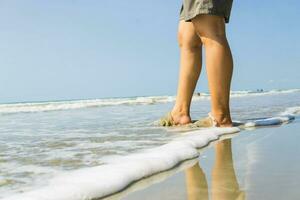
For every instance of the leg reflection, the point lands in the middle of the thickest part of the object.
(196, 183)
(224, 181)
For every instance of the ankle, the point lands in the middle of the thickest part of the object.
(223, 119)
(180, 116)
(180, 111)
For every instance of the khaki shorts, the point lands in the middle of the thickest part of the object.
(191, 8)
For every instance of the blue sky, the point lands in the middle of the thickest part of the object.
(83, 49)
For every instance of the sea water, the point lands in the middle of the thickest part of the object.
(40, 140)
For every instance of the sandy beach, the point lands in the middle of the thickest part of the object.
(256, 164)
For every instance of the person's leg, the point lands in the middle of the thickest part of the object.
(196, 183)
(190, 68)
(224, 184)
(219, 64)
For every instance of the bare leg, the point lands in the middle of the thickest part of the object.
(196, 184)
(224, 181)
(211, 30)
(190, 68)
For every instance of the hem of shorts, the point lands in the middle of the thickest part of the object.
(189, 17)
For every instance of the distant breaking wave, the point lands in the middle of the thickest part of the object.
(77, 104)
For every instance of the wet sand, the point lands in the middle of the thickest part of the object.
(257, 164)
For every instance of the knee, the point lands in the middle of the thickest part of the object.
(188, 40)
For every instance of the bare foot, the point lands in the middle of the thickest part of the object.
(229, 124)
(212, 121)
(180, 118)
(223, 120)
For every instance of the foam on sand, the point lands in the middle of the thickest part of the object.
(101, 181)
(272, 121)
(121, 172)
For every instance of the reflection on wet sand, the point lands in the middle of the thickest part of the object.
(224, 185)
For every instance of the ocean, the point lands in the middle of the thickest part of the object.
(42, 140)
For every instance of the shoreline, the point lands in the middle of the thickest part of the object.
(133, 168)
(257, 159)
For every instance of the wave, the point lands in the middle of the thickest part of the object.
(291, 111)
(77, 104)
(272, 121)
(121, 172)
(102, 181)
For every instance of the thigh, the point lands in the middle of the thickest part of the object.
(209, 25)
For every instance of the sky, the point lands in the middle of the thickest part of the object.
(85, 49)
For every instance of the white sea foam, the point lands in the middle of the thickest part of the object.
(272, 121)
(77, 104)
(258, 93)
(291, 111)
(284, 117)
(122, 171)
(101, 181)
